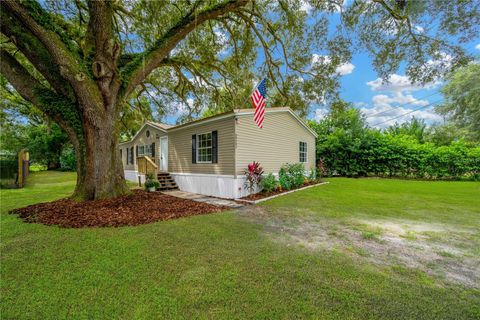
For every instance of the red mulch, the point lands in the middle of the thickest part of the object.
(140, 207)
(261, 195)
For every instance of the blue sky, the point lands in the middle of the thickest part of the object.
(383, 104)
(396, 100)
(383, 101)
(380, 102)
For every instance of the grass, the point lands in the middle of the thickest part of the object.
(225, 266)
(453, 203)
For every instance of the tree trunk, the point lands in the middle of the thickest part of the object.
(99, 166)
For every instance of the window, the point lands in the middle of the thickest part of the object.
(303, 151)
(148, 150)
(130, 155)
(145, 150)
(204, 148)
(147, 133)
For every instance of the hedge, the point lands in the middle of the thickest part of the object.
(378, 154)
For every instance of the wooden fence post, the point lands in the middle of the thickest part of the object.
(23, 170)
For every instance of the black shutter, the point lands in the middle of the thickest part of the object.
(153, 149)
(131, 155)
(300, 151)
(136, 151)
(194, 148)
(214, 146)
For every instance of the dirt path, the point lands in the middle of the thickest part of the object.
(447, 253)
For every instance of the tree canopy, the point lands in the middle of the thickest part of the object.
(462, 95)
(89, 65)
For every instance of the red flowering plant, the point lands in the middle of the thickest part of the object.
(253, 176)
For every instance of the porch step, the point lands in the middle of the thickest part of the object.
(166, 182)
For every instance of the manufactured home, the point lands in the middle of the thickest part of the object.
(209, 156)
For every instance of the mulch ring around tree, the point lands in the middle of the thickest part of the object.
(139, 207)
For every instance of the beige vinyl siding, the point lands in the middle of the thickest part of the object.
(140, 140)
(180, 148)
(275, 144)
(124, 147)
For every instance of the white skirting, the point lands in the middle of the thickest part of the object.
(132, 175)
(222, 186)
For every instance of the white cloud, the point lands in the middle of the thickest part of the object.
(305, 6)
(477, 46)
(397, 100)
(317, 58)
(179, 108)
(221, 38)
(343, 69)
(419, 29)
(382, 120)
(382, 100)
(320, 113)
(360, 104)
(398, 83)
(443, 60)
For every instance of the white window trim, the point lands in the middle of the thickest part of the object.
(300, 151)
(198, 149)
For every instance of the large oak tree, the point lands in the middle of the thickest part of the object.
(86, 64)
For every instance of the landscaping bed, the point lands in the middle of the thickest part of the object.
(263, 195)
(139, 207)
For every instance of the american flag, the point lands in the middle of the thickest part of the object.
(259, 97)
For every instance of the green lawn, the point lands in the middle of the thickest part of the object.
(249, 264)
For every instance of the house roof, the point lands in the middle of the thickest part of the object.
(243, 112)
(166, 127)
(161, 126)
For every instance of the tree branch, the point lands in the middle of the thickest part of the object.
(35, 52)
(19, 77)
(136, 71)
(86, 90)
(26, 85)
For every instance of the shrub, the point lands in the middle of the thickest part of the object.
(284, 179)
(321, 169)
(67, 159)
(313, 175)
(253, 176)
(149, 176)
(379, 154)
(150, 181)
(35, 167)
(269, 183)
(291, 175)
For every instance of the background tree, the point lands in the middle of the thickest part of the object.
(349, 147)
(84, 63)
(415, 127)
(462, 99)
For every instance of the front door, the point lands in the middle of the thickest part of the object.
(164, 154)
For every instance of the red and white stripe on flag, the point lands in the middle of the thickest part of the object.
(259, 100)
